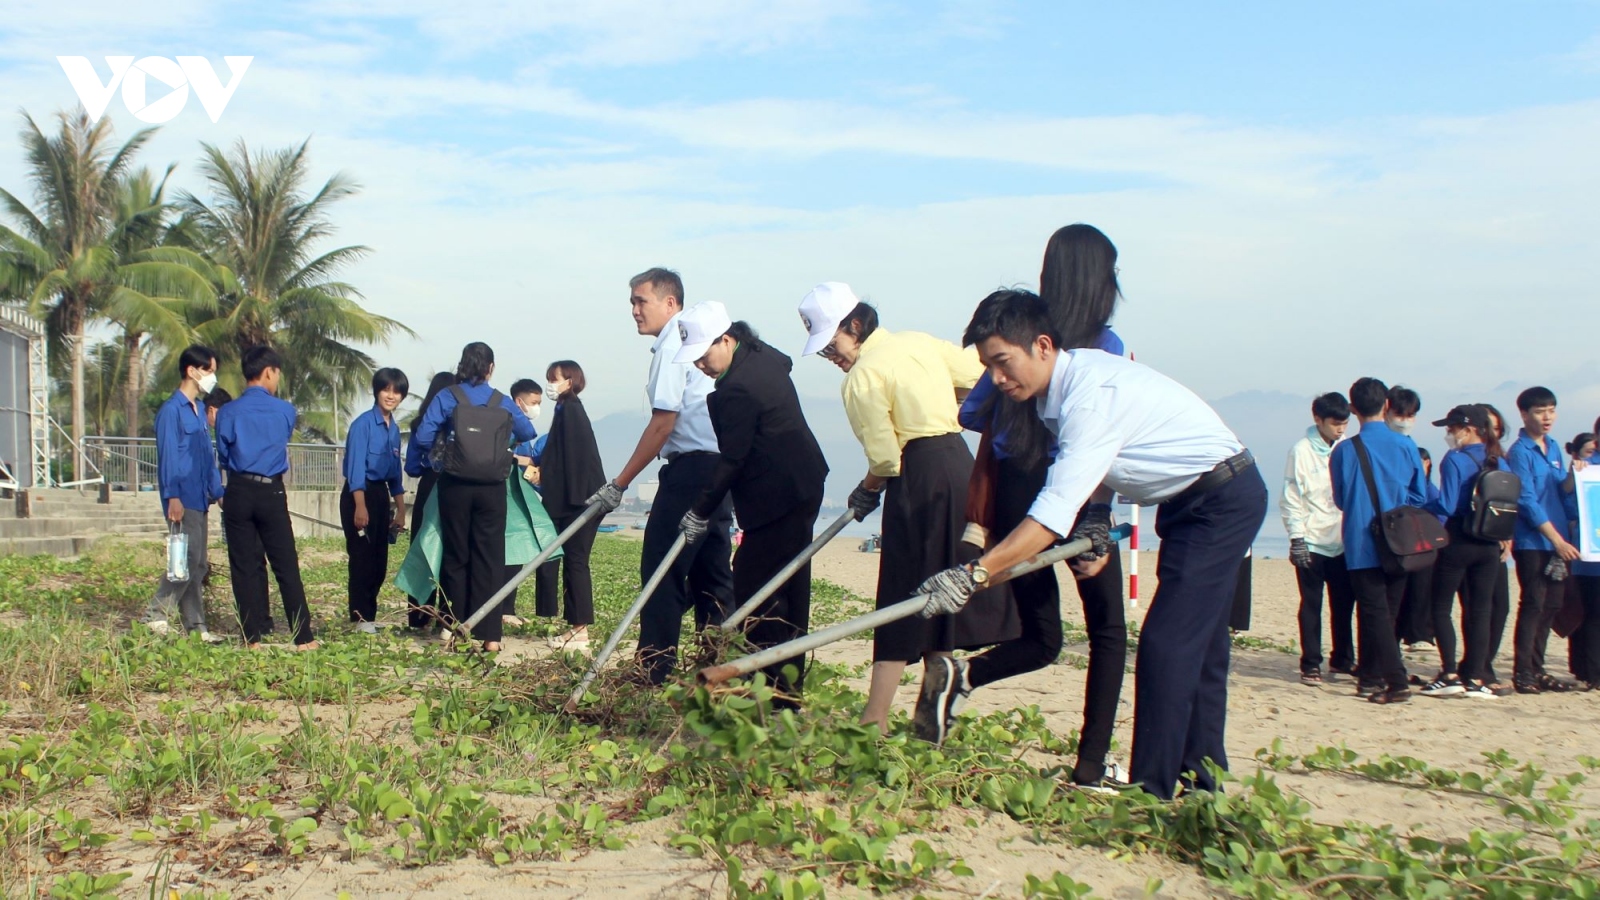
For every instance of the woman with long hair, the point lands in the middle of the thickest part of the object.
(1465, 563)
(901, 393)
(1079, 287)
(1500, 602)
(472, 511)
(422, 610)
(570, 471)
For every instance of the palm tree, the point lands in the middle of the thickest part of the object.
(62, 259)
(180, 277)
(260, 230)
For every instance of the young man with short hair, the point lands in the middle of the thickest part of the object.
(1316, 546)
(528, 396)
(680, 434)
(253, 435)
(186, 473)
(1124, 425)
(1397, 474)
(1541, 547)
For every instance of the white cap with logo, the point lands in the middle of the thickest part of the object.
(823, 310)
(699, 327)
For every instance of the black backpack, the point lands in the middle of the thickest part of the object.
(1492, 515)
(478, 445)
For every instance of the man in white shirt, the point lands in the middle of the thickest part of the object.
(1126, 426)
(1316, 547)
(679, 433)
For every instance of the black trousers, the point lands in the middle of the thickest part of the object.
(1536, 610)
(700, 578)
(1181, 672)
(576, 581)
(1378, 595)
(1414, 616)
(1467, 566)
(472, 520)
(255, 520)
(787, 613)
(1038, 599)
(1586, 640)
(369, 552)
(1329, 572)
(419, 610)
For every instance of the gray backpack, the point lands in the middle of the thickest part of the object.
(478, 445)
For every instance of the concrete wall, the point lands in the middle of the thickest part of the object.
(322, 506)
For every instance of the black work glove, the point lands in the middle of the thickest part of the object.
(1299, 553)
(1094, 523)
(863, 501)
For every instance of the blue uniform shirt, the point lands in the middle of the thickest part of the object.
(186, 462)
(438, 413)
(416, 457)
(1542, 500)
(972, 408)
(253, 433)
(1396, 468)
(372, 452)
(1457, 470)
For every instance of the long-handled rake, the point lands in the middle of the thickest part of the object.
(908, 607)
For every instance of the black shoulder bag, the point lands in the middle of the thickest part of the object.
(1408, 537)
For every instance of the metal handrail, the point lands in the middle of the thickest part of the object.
(132, 461)
(99, 477)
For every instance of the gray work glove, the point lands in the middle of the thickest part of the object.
(1094, 523)
(1299, 553)
(862, 501)
(693, 527)
(947, 591)
(609, 498)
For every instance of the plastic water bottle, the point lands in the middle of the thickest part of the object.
(177, 555)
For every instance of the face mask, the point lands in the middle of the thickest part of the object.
(1452, 439)
(1402, 426)
(207, 382)
(531, 411)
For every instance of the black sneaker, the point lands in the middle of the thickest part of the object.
(1443, 687)
(945, 689)
(1479, 692)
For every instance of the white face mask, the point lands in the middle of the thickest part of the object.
(1452, 439)
(207, 382)
(1402, 426)
(532, 411)
(555, 389)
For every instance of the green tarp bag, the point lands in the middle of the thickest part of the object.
(528, 530)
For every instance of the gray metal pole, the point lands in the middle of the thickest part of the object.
(878, 617)
(633, 611)
(784, 574)
(493, 603)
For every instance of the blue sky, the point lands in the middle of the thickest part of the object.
(1302, 193)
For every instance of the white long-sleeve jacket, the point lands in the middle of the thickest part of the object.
(1308, 508)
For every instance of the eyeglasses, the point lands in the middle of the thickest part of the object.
(831, 351)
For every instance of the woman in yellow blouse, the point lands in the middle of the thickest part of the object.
(901, 393)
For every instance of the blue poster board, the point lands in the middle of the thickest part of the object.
(1588, 485)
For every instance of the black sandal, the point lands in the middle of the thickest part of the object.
(1395, 695)
(1553, 685)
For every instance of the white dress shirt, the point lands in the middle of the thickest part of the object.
(1127, 426)
(680, 388)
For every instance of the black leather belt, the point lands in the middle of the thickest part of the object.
(1220, 474)
(258, 479)
(674, 457)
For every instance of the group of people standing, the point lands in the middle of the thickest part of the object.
(1067, 420)
(1500, 499)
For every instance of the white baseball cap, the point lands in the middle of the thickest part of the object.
(823, 310)
(699, 327)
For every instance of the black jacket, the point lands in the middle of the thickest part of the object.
(570, 469)
(770, 459)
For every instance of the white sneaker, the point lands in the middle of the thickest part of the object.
(159, 626)
(209, 638)
(367, 627)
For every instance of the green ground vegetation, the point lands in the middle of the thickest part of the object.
(399, 752)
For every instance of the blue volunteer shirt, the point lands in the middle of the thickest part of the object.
(372, 452)
(253, 433)
(438, 413)
(416, 457)
(1457, 470)
(1542, 499)
(186, 461)
(972, 409)
(1396, 468)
